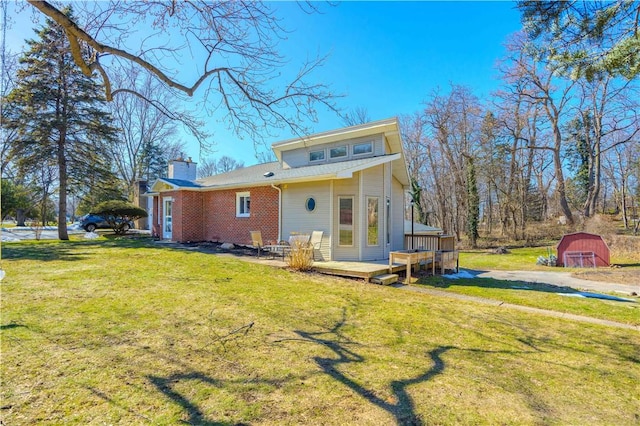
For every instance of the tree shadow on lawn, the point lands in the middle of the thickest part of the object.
(51, 250)
(196, 416)
(44, 252)
(404, 409)
(441, 282)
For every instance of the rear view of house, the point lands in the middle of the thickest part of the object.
(349, 183)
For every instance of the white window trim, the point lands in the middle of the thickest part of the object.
(353, 149)
(353, 225)
(239, 196)
(369, 197)
(324, 152)
(346, 155)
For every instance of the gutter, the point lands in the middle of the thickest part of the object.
(279, 211)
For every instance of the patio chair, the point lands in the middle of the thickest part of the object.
(256, 241)
(297, 239)
(315, 242)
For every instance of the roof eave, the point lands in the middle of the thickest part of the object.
(387, 126)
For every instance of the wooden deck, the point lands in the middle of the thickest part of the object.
(366, 270)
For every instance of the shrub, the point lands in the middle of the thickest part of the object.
(301, 256)
(119, 213)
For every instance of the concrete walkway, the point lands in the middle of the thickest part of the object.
(527, 309)
(562, 279)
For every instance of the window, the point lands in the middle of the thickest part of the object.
(346, 221)
(363, 148)
(372, 221)
(310, 204)
(338, 152)
(316, 156)
(243, 204)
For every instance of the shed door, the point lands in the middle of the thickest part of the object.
(167, 226)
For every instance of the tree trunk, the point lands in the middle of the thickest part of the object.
(557, 163)
(20, 217)
(62, 192)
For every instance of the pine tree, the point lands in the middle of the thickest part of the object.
(59, 117)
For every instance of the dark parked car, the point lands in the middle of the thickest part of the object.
(91, 222)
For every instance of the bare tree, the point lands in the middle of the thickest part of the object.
(454, 122)
(539, 83)
(619, 165)
(232, 45)
(414, 143)
(142, 150)
(211, 166)
(358, 115)
(608, 112)
(7, 84)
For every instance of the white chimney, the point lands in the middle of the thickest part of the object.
(182, 169)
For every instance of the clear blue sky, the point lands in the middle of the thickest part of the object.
(386, 57)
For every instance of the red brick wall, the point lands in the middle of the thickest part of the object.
(221, 223)
(190, 215)
(211, 216)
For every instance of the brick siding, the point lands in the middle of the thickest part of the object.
(211, 216)
(221, 223)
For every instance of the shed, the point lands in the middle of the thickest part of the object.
(582, 250)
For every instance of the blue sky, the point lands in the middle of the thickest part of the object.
(386, 57)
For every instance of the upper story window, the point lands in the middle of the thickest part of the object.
(363, 148)
(243, 204)
(316, 155)
(337, 152)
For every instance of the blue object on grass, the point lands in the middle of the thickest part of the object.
(597, 296)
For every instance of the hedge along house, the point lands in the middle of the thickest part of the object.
(349, 183)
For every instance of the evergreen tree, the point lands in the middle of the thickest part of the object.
(58, 114)
(473, 204)
(579, 157)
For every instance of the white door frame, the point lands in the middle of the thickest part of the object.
(167, 218)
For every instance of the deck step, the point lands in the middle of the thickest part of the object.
(385, 279)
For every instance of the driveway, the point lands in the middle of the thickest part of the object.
(563, 279)
(18, 233)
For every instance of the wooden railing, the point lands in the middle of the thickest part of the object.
(421, 242)
(430, 242)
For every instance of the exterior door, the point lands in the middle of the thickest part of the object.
(167, 225)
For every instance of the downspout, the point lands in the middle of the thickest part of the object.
(279, 211)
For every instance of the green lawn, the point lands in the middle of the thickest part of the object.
(540, 296)
(523, 259)
(121, 331)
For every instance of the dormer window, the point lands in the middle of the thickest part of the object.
(363, 148)
(338, 152)
(316, 156)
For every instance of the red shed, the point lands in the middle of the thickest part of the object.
(582, 249)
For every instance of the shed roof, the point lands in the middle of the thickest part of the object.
(273, 174)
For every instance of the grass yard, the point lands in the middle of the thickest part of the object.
(542, 296)
(122, 331)
(524, 259)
